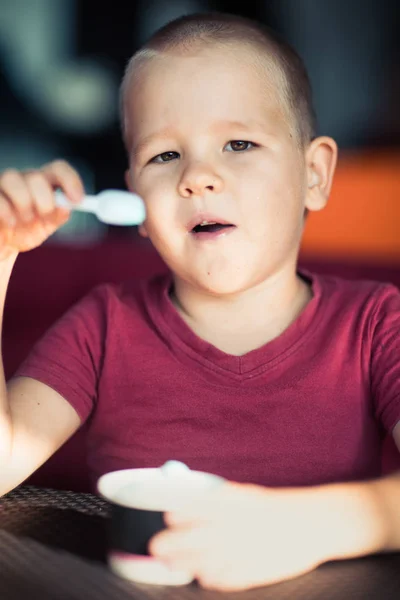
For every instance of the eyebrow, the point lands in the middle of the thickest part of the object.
(238, 124)
(169, 132)
(146, 141)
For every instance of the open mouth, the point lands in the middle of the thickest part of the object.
(210, 227)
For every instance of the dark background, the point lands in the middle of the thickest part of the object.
(61, 62)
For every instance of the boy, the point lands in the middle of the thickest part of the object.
(235, 363)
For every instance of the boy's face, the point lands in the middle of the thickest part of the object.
(210, 141)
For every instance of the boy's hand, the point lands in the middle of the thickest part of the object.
(240, 536)
(28, 213)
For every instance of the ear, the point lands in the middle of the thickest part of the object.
(129, 184)
(321, 159)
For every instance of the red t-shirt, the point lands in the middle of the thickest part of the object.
(309, 407)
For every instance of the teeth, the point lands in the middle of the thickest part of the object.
(208, 223)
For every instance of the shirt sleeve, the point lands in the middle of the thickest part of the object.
(385, 359)
(69, 357)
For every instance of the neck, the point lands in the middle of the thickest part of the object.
(241, 322)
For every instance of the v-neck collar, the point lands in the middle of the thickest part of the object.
(182, 339)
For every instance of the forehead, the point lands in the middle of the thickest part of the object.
(191, 90)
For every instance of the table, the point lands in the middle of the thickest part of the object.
(53, 545)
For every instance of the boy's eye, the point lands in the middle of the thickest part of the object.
(165, 157)
(239, 145)
(232, 146)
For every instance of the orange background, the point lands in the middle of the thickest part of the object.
(362, 218)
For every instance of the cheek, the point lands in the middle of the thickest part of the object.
(272, 202)
(154, 182)
(155, 196)
(161, 213)
(261, 195)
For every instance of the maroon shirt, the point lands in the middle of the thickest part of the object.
(309, 407)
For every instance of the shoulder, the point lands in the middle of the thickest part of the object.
(356, 293)
(109, 297)
(357, 308)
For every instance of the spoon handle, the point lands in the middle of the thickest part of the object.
(89, 203)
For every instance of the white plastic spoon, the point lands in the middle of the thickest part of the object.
(114, 207)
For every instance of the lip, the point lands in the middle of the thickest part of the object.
(211, 218)
(211, 236)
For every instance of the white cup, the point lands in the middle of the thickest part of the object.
(138, 498)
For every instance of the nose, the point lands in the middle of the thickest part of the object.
(199, 178)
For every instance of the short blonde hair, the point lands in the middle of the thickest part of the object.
(187, 31)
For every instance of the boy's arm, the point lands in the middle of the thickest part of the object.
(364, 518)
(41, 420)
(356, 519)
(34, 419)
(283, 532)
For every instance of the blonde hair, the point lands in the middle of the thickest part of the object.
(188, 31)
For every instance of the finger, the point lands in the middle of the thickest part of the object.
(7, 214)
(61, 174)
(172, 543)
(202, 508)
(54, 220)
(14, 188)
(193, 515)
(41, 193)
(223, 582)
(190, 562)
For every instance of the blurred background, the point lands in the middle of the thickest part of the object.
(61, 62)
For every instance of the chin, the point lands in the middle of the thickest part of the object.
(222, 284)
